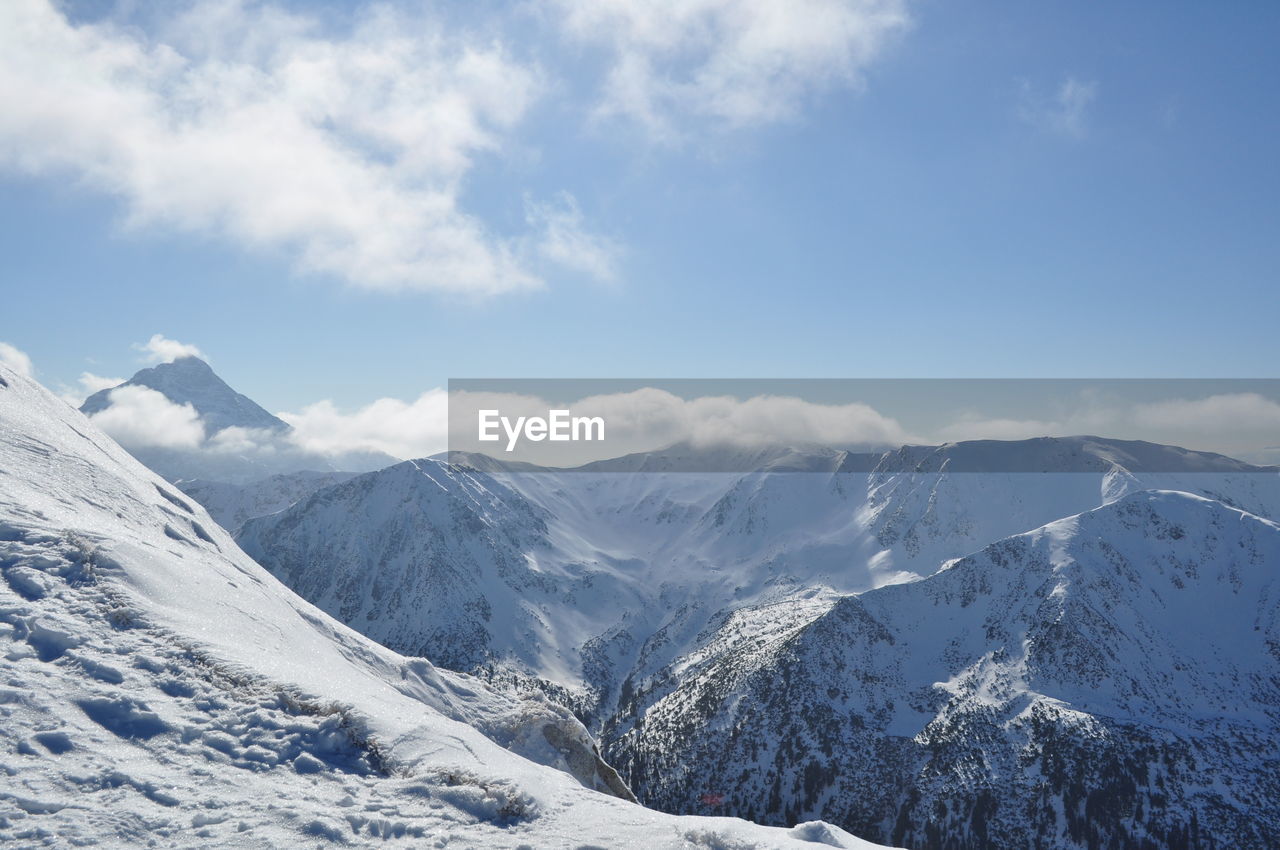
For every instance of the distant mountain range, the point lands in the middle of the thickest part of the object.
(1055, 642)
(972, 645)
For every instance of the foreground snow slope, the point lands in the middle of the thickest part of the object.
(156, 684)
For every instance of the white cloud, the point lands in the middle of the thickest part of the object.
(15, 359)
(92, 383)
(88, 384)
(1229, 420)
(401, 429)
(1066, 113)
(1236, 410)
(161, 349)
(734, 63)
(142, 417)
(562, 239)
(347, 152)
(246, 441)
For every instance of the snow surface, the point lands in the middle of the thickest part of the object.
(159, 686)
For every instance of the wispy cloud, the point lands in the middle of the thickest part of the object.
(344, 143)
(15, 359)
(1065, 113)
(560, 237)
(161, 349)
(727, 63)
(345, 151)
(86, 385)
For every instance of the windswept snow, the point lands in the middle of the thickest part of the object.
(159, 686)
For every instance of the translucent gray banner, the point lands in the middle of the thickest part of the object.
(861, 425)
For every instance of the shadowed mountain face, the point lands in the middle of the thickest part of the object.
(789, 643)
(189, 380)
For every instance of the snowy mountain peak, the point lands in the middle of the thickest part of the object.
(190, 380)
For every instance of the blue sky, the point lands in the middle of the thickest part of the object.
(992, 190)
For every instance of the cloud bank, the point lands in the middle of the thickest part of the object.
(1222, 422)
(398, 428)
(648, 419)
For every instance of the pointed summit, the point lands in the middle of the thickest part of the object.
(190, 380)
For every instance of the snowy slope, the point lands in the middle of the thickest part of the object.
(159, 685)
(231, 504)
(1111, 679)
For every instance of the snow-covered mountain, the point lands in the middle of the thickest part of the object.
(242, 443)
(622, 587)
(190, 380)
(1109, 680)
(551, 571)
(159, 687)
